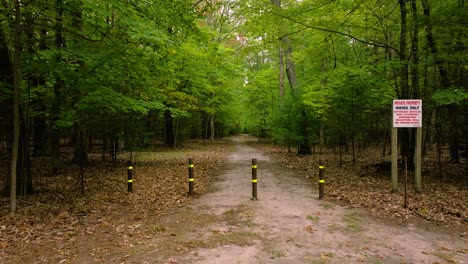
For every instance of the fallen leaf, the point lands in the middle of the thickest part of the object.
(309, 229)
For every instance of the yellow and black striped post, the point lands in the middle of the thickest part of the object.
(321, 180)
(254, 179)
(190, 176)
(130, 176)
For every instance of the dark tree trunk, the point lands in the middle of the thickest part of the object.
(403, 60)
(414, 77)
(453, 135)
(80, 146)
(204, 128)
(444, 79)
(18, 48)
(54, 133)
(39, 137)
(104, 147)
(304, 146)
(465, 133)
(429, 123)
(407, 145)
(6, 106)
(169, 139)
(38, 123)
(439, 137)
(114, 146)
(23, 179)
(54, 150)
(212, 128)
(415, 51)
(304, 150)
(79, 131)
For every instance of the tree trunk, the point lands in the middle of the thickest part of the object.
(6, 107)
(104, 147)
(207, 128)
(290, 65)
(341, 155)
(414, 94)
(39, 136)
(79, 131)
(465, 133)
(54, 150)
(176, 131)
(444, 79)
(80, 146)
(406, 144)
(415, 51)
(432, 44)
(322, 137)
(384, 143)
(37, 126)
(439, 135)
(114, 146)
(16, 102)
(281, 72)
(403, 60)
(54, 142)
(353, 148)
(169, 129)
(212, 128)
(23, 173)
(23, 168)
(304, 146)
(430, 120)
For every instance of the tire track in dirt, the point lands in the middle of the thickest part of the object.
(288, 224)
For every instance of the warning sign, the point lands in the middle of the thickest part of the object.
(407, 113)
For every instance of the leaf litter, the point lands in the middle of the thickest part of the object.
(366, 184)
(60, 216)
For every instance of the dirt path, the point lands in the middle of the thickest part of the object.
(288, 224)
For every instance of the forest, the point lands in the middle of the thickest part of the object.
(88, 88)
(80, 77)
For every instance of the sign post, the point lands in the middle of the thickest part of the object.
(394, 159)
(407, 113)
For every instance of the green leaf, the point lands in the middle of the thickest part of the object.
(450, 97)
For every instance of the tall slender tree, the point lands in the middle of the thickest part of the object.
(286, 53)
(16, 101)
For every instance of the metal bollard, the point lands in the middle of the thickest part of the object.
(321, 180)
(129, 176)
(190, 177)
(254, 179)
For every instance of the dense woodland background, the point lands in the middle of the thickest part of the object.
(81, 76)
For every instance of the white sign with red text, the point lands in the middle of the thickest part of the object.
(407, 113)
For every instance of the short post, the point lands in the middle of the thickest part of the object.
(190, 177)
(129, 176)
(321, 180)
(254, 180)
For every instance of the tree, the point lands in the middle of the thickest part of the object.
(383, 37)
(94, 70)
(16, 103)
